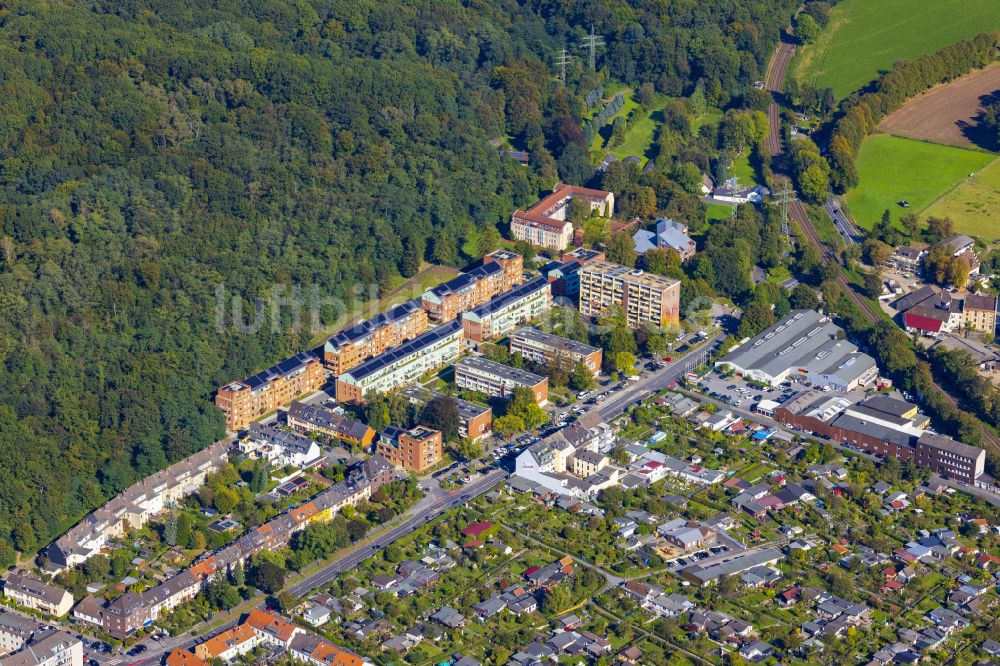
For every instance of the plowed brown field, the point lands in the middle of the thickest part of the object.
(946, 113)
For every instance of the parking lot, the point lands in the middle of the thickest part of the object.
(739, 393)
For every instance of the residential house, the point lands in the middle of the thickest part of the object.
(36, 595)
(314, 419)
(669, 235)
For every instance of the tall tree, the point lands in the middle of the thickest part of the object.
(621, 249)
(441, 413)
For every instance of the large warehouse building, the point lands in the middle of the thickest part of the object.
(803, 344)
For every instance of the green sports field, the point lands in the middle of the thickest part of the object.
(865, 37)
(892, 169)
(974, 204)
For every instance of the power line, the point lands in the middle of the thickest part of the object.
(591, 42)
(561, 62)
(784, 197)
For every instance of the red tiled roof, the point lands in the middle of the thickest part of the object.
(475, 529)
(181, 657)
(923, 323)
(271, 624)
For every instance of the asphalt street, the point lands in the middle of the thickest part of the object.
(433, 505)
(847, 230)
(657, 381)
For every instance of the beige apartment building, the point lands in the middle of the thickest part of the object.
(979, 313)
(644, 297)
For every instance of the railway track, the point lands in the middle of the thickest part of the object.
(773, 79)
(797, 211)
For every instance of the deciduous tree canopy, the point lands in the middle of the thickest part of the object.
(156, 157)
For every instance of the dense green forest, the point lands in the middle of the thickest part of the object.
(153, 151)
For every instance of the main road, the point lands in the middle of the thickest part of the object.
(435, 505)
(352, 559)
(637, 390)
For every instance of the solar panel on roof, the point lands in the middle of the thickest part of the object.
(514, 294)
(363, 328)
(391, 356)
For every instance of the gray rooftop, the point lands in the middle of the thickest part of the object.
(483, 365)
(803, 339)
(555, 342)
(950, 445)
(885, 433)
(736, 565)
(466, 408)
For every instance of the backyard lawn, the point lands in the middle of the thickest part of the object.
(974, 205)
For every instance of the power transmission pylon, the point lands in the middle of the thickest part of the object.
(561, 62)
(591, 42)
(783, 198)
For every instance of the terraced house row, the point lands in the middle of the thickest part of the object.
(133, 610)
(134, 507)
(262, 628)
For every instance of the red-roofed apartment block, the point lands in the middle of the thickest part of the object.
(545, 223)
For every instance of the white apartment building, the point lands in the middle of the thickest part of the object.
(402, 365)
(542, 347)
(503, 314)
(47, 647)
(478, 373)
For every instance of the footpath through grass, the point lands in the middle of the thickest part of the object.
(893, 169)
(865, 37)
